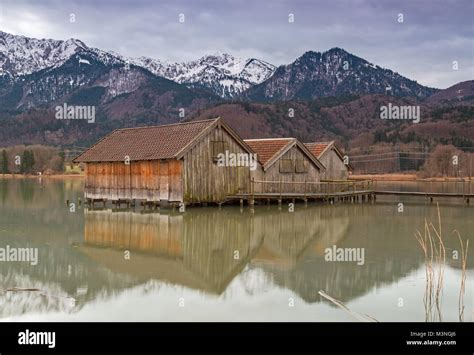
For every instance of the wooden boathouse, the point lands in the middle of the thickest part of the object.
(283, 161)
(332, 158)
(174, 163)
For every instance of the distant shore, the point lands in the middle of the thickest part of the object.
(50, 176)
(403, 177)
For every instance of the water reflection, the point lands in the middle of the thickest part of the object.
(203, 250)
(94, 256)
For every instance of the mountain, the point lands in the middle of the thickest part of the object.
(333, 73)
(21, 55)
(460, 94)
(222, 74)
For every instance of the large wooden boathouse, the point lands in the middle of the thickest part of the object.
(170, 163)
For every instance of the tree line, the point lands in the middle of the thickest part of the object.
(31, 159)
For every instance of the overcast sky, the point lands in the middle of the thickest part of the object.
(433, 34)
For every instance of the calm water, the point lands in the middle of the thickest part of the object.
(224, 265)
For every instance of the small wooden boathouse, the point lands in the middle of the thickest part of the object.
(284, 160)
(332, 158)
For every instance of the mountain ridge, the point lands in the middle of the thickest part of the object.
(313, 74)
(332, 73)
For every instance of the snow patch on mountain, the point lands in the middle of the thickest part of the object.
(222, 73)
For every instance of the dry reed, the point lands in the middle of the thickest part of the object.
(434, 250)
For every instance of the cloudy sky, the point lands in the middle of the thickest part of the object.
(433, 34)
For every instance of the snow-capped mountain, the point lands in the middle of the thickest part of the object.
(21, 55)
(222, 73)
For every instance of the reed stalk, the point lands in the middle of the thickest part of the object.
(434, 251)
(463, 275)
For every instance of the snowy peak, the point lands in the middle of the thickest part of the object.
(221, 73)
(21, 55)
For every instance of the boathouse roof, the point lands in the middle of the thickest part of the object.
(269, 150)
(320, 148)
(151, 142)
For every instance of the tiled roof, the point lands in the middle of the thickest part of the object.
(266, 149)
(317, 148)
(145, 143)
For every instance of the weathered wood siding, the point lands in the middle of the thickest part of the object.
(204, 180)
(143, 180)
(274, 174)
(335, 167)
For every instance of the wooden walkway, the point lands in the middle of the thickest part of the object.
(347, 196)
(332, 191)
(421, 193)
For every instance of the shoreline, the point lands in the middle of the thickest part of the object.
(405, 177)
(52, 176)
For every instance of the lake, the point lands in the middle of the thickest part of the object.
(228, 264)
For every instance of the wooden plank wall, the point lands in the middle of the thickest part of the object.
(138, 180)
(204, 180)
(273, 174)
(335, 167)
